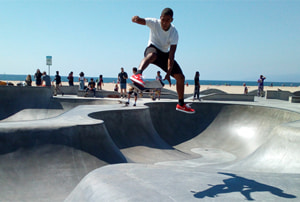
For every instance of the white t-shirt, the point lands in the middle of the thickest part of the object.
(160, 38)
(81, 78)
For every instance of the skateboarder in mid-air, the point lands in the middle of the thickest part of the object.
(161, 52)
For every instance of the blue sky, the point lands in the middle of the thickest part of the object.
(223, 40)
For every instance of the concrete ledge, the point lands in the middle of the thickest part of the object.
(280, 95)
(83, 133)
(101, 94)
(165, 95)
(113, 94)
(16, 98)
(294, 99)
(68, 90)
(229, 97)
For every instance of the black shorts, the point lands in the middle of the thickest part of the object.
(131, 90)
(162, 60)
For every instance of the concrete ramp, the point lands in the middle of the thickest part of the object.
(238, 129)
(43, 173)
(15, 99)
(140, 182)
(228, 139)
(279, 154)
(96, 150)
(35, 103)
(133, 133)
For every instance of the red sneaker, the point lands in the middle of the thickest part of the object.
(185, 108)
(138, 80)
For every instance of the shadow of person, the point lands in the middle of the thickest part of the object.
(240, 184)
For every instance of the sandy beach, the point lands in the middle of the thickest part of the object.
(190, 88)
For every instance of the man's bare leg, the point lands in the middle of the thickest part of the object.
(123, 92)
(151, 57)
(180, 79)
(181, 106)
(137, 78)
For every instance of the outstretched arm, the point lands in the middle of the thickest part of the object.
(138, 20)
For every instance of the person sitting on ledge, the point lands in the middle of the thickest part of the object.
(91, 87)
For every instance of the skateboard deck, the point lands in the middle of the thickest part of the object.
(124, 102)
(149, 85)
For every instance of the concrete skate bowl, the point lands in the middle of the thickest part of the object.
(161, 133)
(44, 159)
(223, 136)
(43, 154)
(34, 103)
(250, 133)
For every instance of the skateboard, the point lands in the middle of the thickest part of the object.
(150, 86)
(124, 102)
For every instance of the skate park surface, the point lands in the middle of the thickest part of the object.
(67, 148)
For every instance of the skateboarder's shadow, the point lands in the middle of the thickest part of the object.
(239, 184)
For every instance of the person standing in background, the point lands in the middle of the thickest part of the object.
(158, 90)
(132, 91)
(81, 81)
(100, 83)
(71, 79)
(38, 77)
(46, 80)
(122, 79)
(57, 80)
(245, 89)
(197, 86)
(260, 81)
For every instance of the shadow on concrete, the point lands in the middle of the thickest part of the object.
(240, 184)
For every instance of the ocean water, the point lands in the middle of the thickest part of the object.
(21, 78)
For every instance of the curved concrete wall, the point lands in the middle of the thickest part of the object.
(231, 138)
(16, 98)
(238, 129)
(156, 133)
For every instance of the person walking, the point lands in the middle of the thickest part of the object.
(132, 90)
(57, 80)
(158, 90)
(100, 82)
(260, 81)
